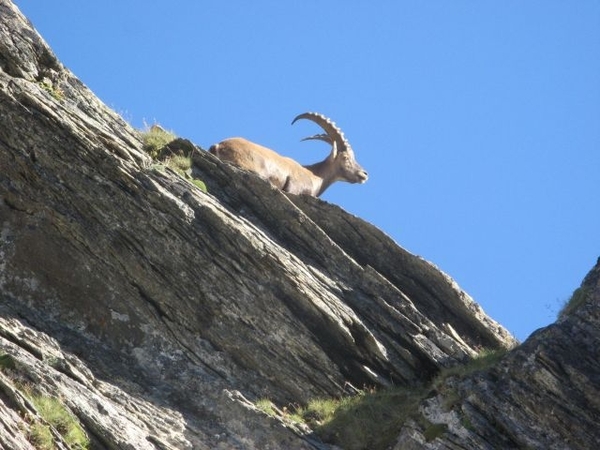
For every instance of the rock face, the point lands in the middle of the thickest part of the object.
(159, 313)
(545, 394)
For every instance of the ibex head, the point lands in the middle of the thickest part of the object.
(341, 163)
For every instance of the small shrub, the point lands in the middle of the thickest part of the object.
(465, 422)
(372, 419)
(486, 358)
(322, 410)
(318, 411)
(155, 138)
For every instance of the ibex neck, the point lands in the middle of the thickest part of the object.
(323, 180)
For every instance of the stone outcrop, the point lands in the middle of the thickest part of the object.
(159, 313)
(545, 394)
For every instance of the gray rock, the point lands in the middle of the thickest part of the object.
(544, 394)
(159, 314)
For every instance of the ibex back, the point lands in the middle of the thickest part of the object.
(287, 174)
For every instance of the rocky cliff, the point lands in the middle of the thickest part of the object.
(157, 314)
(544, 394)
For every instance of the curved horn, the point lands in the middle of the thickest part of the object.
(319, 137)
(334, 134)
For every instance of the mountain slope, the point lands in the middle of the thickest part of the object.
(544, 394)
(159, 313)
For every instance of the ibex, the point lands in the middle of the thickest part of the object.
(288, 175)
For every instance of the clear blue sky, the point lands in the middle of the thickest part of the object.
(478, 121)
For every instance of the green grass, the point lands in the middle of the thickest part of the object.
(183, 165)
(370, 420)
(179, 163)
(155, 138)
(373, 419)
(266, 406)
(199, 184)
(55, 92)
(318, 412)
(41, 437)
(56, 414)
(434, 430)
(51, 409)
(486, 358)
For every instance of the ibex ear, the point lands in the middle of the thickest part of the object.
(334, 150)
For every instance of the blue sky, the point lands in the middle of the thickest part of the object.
(478, 121)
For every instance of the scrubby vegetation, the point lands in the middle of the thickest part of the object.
(7, 362)
(41, 437)
(54, 91)
(52, 413)
(486, 358)
(577, 299)
(369, 420)
(372, 419)
(58, 416)
(266, 406)
(161, 145)
(155, 138)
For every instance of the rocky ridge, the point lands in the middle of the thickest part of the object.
(544, 394)
(159, 313)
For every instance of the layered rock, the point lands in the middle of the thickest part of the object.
(544, 394)
(159, 313)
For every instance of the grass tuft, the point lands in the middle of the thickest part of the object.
(199, 184)
(180, 163)
(56, 414)
(577, 299)
(155, 138)
(54, 91)
(265, 405)
(41, 437)
(486, 358)
(434, 431)
(369, 420)
(373, 419)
